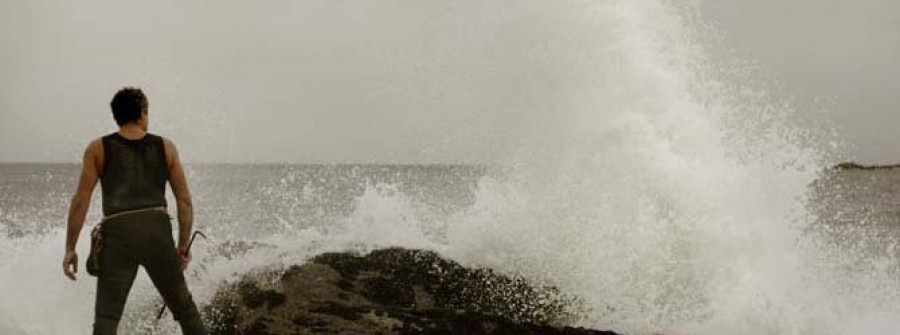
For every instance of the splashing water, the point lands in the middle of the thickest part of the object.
(675, 202)
(666, 196)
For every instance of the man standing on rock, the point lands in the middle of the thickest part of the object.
(133, 167)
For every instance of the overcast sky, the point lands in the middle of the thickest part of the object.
(834, 54)
(383, 81)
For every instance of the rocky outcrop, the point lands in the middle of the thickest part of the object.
(388, 291)
(857, 166)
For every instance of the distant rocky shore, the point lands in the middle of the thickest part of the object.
(857, 166)
(389, 291)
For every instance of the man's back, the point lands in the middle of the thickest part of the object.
(134, 174)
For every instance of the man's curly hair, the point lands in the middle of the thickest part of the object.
(127, 105)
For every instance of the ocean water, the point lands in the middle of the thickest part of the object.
(657, 180)
(293, 208)
(296, 211)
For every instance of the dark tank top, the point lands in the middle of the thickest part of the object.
(134, 173)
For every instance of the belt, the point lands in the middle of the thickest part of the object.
(159, 208)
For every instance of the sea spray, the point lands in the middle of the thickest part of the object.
(673, 202)
(639, 201)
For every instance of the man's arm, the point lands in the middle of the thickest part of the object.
(81, 201)
(183, 197)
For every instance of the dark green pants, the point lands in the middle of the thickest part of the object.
(145, 239)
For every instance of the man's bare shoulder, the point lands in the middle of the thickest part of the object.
(95, 147)
(168, 142)
(93, 156)
(169, 146)
(170, 151)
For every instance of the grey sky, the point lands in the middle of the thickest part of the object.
(382, 81)
(843, 54)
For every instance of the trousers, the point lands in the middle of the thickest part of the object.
(141, 239)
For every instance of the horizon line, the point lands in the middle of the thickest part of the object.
(273, 163)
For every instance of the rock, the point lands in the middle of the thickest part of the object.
(388, 291)
(857, 166)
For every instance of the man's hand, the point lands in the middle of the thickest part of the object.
(70, 264)
(184, 257)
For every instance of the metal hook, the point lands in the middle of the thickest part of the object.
(190, 243)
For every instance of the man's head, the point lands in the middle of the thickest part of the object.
(130, 105)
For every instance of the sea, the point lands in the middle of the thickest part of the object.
(632, 275)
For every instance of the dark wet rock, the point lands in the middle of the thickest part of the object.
(389, 291)
(857, 166)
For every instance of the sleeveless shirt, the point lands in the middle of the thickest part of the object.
(134, 173)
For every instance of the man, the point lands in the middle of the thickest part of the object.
(133, 167)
